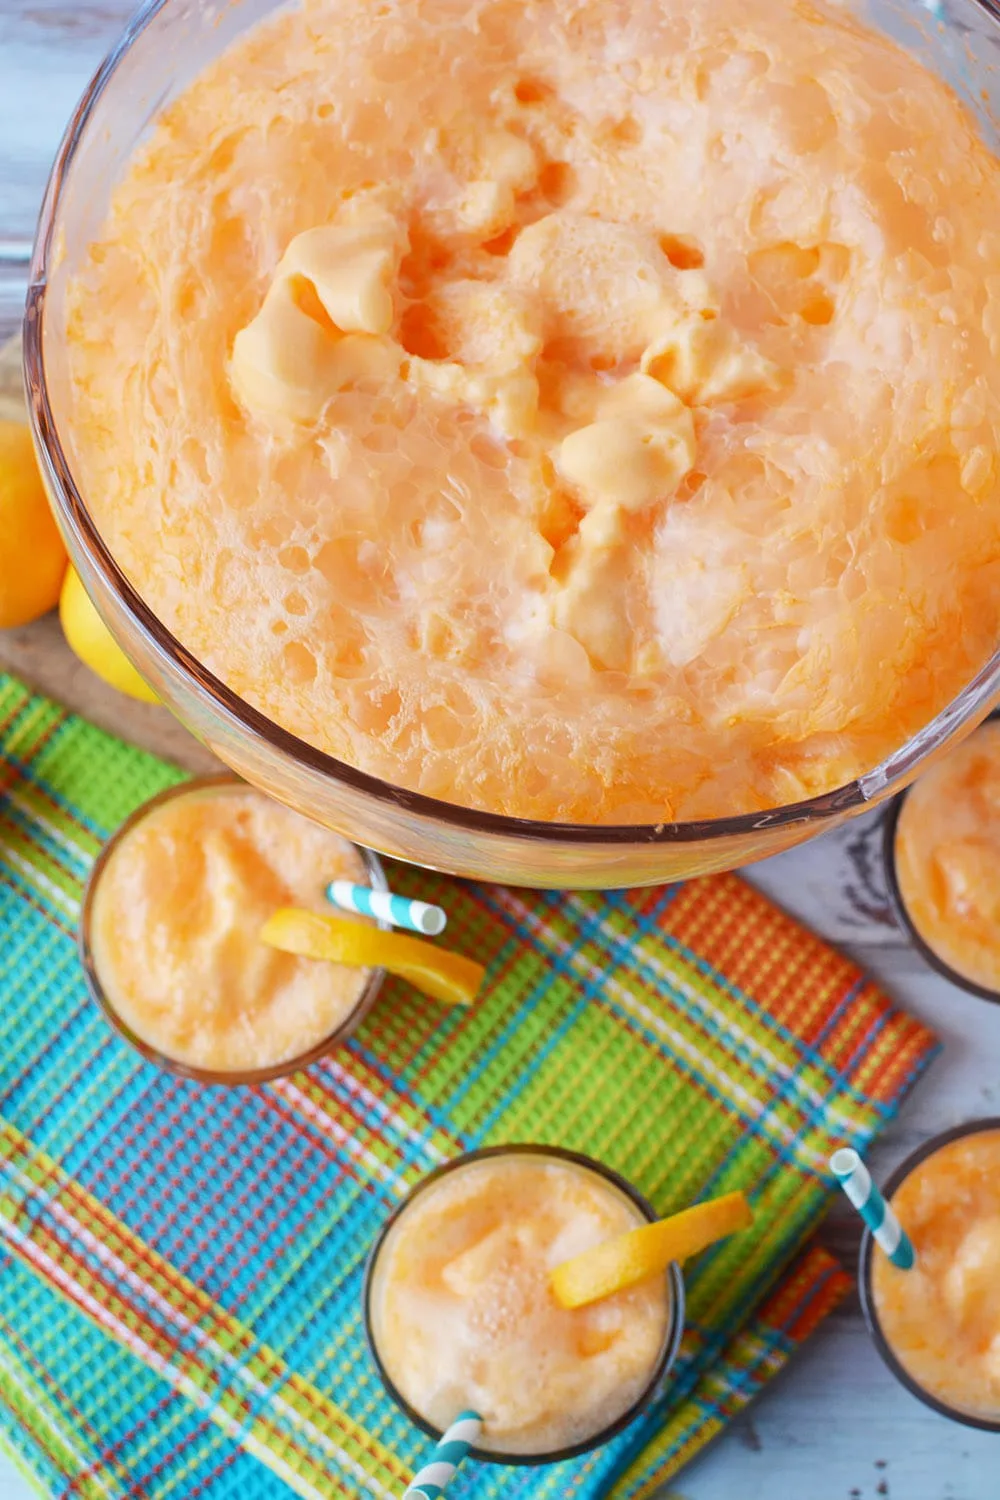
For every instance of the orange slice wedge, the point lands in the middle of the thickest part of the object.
(631, 1257)
(434, 970)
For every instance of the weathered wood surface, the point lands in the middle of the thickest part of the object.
(836, 1427)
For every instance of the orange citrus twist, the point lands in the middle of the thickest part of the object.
(631, 1257)
(435, 971)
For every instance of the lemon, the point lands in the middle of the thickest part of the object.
(93, 642)
(445, 976)
(32, 556)
(620, 1262)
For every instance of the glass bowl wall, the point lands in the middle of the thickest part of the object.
(164, 46)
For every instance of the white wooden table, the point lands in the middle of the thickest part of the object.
(836, 1426)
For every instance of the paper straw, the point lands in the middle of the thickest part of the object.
(430, 1481)
(855, 1178)
(417, 916)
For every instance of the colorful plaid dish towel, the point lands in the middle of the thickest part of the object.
(181, 1267)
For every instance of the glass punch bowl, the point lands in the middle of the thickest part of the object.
(165, 44)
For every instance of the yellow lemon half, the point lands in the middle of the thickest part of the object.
(93, 642)
(32, 556)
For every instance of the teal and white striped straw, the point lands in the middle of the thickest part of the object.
(856, 1180)
(430, 1481)
(417, 916)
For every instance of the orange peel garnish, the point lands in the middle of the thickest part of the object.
(631, 1257)
(436, 971)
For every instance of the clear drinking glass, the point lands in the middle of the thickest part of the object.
(902, 914)
(671, 1340)
(164, 45)
(98, 993)
(868, 1304)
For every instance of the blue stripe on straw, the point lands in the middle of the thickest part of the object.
(430, 1481)
(399, 911)
(855, 1179)
(415, 916)
(361, 898)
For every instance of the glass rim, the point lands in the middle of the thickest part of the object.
(900, 910)
(671, 1338)
(231, 1077)
(177, 662)
(865, 1256)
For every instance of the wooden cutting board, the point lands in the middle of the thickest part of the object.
(38, 654)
